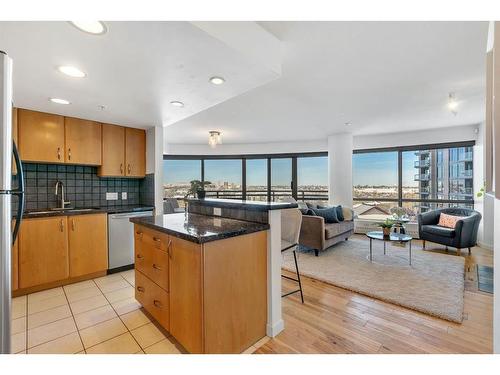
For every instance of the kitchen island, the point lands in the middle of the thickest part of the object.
(204, 279)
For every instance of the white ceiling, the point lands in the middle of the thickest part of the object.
(380, 76)
(134, 70)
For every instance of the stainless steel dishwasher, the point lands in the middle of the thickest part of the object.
(121, 239)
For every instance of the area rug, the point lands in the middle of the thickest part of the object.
(433, 284)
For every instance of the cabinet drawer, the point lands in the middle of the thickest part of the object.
(151, 238)
(152, 262)
(153, 298)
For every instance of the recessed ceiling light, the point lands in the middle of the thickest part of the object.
(91, 27)
(347, 124)
(176, 103)
(217, 80)
(71, 71)
(59, 101)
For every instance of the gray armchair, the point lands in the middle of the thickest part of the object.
(464, 235)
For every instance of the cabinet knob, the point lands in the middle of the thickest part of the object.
(121, 168)
(140, 289)
(139, 256)
(157, 303)
(73, 225)
(129, 169)
(61, 225)
(59, 153)
(69, 153)
(156, 267)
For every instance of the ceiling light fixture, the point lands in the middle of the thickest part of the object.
(71, 71)
(214, 138)
(347, 124)
(176, 103)
(59, 101)
(91, 27)
(452, 103)
(217, 80)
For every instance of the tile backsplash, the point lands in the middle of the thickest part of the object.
(82, 187)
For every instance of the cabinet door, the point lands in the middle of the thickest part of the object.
(113, 151)
(83, 141)
(41, 136)
(186, 294)
(88, 244)
(14, 137)
(135, 152)
(43, 251)
(15, 264)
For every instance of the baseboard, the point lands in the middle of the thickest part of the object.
(273, 330)
(485, 245)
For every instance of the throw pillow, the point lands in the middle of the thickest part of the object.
(329, 214)
(448, 221)
(340, 213)
(311, 205)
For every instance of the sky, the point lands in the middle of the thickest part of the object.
(381, 168)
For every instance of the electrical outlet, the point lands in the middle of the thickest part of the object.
(111, 196)
(217, 211)
(124, 196)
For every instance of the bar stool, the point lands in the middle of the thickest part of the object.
(291, 220)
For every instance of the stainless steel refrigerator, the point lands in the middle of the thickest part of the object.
(9, 188)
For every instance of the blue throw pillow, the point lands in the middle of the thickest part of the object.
(329, 214)
(340, 214)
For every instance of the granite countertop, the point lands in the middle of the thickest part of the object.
(244, 204)
(85, 211)
(199, 228)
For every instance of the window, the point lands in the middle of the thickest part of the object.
(177, 175)
(312, 178)
(224, 176)
(375, 175)
(427, 178)
(254, 177)
(256, 170)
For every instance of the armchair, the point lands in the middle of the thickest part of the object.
(464, 235)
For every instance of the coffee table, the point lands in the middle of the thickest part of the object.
(396, 237)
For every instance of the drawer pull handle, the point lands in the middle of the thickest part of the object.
(129, 169)
(157, 303)
(59, 153)
(73, 225)
(169, 245)
(139, 234)
(156, 239)
(139, 256)
(140, 289)
(69, 153)
(121, 168)
(156, 267)
(61, 225)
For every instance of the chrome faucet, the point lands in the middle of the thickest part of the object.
(63, 202)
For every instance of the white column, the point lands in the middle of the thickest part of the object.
(340, 169)
(154, 162)
(275, 323)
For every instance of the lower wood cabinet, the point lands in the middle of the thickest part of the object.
(216, 297)
(43, 251)
(56, 250)
(88, 244)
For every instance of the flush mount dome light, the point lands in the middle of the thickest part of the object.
(177, 103)
(452, 103)
(71, 71)
(217, 80)
(59, 101)
(91, 27)
(214, 138)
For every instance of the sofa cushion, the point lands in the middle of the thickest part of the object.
(329, 214)
(439, 231)
(336, 229)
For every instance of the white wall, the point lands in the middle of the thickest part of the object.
(154, 163)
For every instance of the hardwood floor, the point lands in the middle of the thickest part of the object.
(335, 320)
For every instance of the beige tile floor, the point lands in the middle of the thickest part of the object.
(94, 316)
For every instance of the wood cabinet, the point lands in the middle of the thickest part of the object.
(135, 152)
(216, 296)
(59, 250)
(43, 251)
(15, 264)
(83, 141)
(88, 244)
(41, 136)
(113, 151)
(14, 137)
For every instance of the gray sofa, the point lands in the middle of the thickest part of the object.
(318, 235)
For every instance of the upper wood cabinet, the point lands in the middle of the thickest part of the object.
(88, 244)
(83, 141)
(113, 151)
(135, 152)
(43, 251)
(41, 136)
